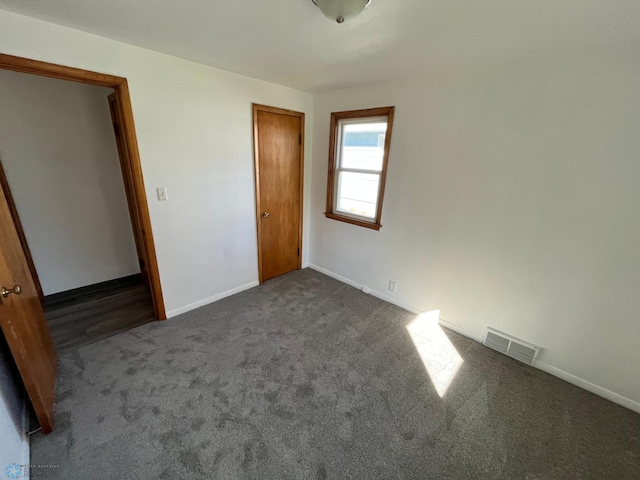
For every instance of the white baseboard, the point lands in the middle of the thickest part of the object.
(396, 302)
(462, 331)
(340, 278)
(375, 293)
(556, 372)
(590, 387)
(208, 300)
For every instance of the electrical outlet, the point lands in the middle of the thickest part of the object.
(393, 286)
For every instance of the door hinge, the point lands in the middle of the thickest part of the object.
(298, 252)
(300, 139)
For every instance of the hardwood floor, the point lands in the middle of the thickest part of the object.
(85, 315)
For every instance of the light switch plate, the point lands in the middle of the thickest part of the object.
(162, 193)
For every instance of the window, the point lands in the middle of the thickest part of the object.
(358, 156)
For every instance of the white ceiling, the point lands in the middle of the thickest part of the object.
(290, 42)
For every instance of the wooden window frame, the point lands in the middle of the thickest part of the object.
(336, 118)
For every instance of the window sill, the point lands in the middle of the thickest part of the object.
(353, 221)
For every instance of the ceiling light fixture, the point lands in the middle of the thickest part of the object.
(341, 10)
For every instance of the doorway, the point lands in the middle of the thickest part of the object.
(21, 303)
(63, 173)
(279, 171)
(122, 117)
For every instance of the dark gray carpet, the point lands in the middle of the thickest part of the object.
(307, 378)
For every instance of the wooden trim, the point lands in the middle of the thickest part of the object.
(4, 183)
(129, 188)
(131, 141)
(45, 69)
(353, 221)
(364, 113)
(331, 184)
(256, 156)
(385, 164)
(121, 87)
(333, 157)
(301, 189)
(256, 160)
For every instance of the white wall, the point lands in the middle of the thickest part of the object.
(59, 154)
(195, 137)
(512, 195)
(512, 201)
(14, 442)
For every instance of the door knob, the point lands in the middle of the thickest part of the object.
(17, 289)
(265, 214)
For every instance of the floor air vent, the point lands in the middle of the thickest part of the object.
(511, 346)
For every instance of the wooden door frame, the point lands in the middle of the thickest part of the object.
(256, 155)
(129, 188)
(121, 87)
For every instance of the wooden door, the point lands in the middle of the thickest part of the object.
(129, 186)
(278, 140)
(4, 184)
(23, 323)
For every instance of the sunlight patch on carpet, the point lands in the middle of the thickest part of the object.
(440, 357)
